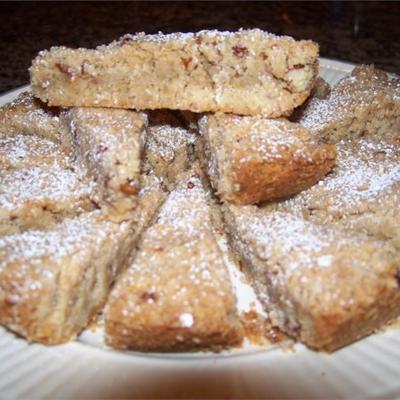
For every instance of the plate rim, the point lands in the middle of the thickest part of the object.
(264, 357)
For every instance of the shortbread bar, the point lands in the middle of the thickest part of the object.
(177, 294)
(54, 282)
(365, 103)
(248, 72)
(29, 116)
(169, 148)
(110, 143)
(362, 192)
(324, 286)
(250, 159)
(39, 184)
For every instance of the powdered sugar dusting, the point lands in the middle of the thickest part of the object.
(366, 172)
(28, 115)
(279, 233)
(178, 36)
(166, 140)
(19, 150)
(36, 247)
(36, 172)
(180, 269)
(351, 100)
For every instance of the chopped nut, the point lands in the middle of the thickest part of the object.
(125, 39)
(149, 297)
(101, 148)
(67, 70)
(129, 188)
(186, 61)
(163, 186)
(239, 51)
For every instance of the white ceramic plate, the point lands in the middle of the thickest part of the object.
(369, 368)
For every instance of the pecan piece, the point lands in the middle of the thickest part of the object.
(186, 61)
(149, 297)
(67, 70)
(125, 39)
(101, 148)
(163, 186)
(239, 51)
(129, 188)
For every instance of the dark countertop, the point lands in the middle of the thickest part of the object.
(359, 32)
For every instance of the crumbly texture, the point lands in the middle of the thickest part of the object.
(110, 143)
(321, 90)
(365, 103)
(248, 72)
(323, 285)
(169, 148)
(29, 116)
(54, 282)
(362, 192)
(250, 159)
(39, 184)
(177, 294)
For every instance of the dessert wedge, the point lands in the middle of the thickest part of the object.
(362, 192)
(250, 159)
(39, 184)
(54, 282)
(110, 143)
(169, 148)
(248, 72)
(324, 286)
(363, 104)
(29, 116)
(176, 295)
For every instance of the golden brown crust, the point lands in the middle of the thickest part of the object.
(361, 192)
(110, 143)
(251, 160)
(247, 72)
(323, 285)
(53, 282)
(176, 295)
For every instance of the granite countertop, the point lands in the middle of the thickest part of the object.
(359, 32)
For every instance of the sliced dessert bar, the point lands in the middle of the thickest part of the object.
(247, 72)
(176, 295)
(110, 143)
(39, 184)
(323, 285)
(169, 148)
(362, 192)
(250, 160)
(365, 103)
(29, 116)
(54, 282)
